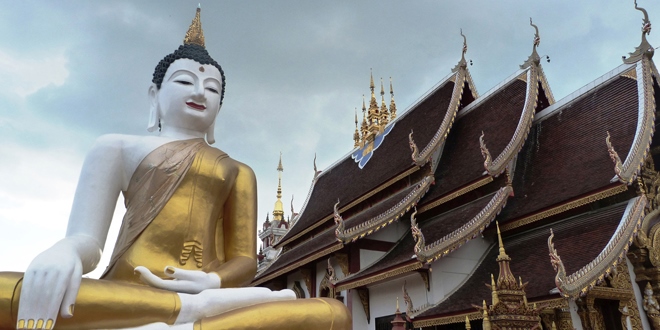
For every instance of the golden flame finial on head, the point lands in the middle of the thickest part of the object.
(195, 35)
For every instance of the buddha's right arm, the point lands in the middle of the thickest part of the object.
(52, 280)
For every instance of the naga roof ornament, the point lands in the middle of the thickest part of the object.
(534, 58)
(644, 48)
(195, 34)
(580, 282)
(462, 63)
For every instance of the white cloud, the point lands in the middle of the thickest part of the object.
(26, 75)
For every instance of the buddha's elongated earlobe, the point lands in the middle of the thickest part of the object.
(154, 120)
(210, 135)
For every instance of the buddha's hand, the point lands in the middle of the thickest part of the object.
(184, 281)
(50, 284)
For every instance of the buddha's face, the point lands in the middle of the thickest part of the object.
(189, 97)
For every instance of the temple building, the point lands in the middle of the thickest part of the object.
(273, 230)
(501, 210)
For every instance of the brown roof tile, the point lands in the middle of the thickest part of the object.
(578, 240)
(566, 156)
(347, 181)
(461, 161)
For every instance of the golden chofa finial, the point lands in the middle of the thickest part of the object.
(462, 63)
(392, 103)
(356, 135)
(499, 240)
(644, 48)
(195, 34)
(534, 58)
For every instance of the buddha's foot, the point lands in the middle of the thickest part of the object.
(208, 303)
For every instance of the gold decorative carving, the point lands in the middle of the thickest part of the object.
(498, 165)
(470, 230)
(342, 260)
(384, 219)
(462, 64)
(195, 34)
(481, 182)
(621, 280)
(327, 286)
(632, 74)
(363, 293)
(580, 282)
(565, 207)
(651, 307)
(447, 320)
(307, 277)
(407, 300)
(380, 276)
(425, 278)
(333, 248)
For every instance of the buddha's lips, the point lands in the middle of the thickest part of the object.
(196, 106)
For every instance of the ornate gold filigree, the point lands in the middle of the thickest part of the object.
(382, 220)
(407, 300)
(470, 230)
(195, 34)
(363, 294)
(307, 277)
(580, 282)
(618, 166)
(407, 268)
(462, 191)
(327, 286)
(632, 74)
(565, 207)
(342, 260)
(447, 320)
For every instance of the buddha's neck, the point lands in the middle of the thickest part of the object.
(179, 133)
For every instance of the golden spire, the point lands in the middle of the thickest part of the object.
(505, 280)
(373, 118)
(383, 107)
(195, 34)
(467, 323)
(278, 210)
(392, 103)
(356, 135)
(486, 322)
(494, 297)
(365, 126)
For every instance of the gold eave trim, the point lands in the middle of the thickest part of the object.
(394, 213)
(380, 276)
(468, 231)
(335, 247)
(582, 281)
(546, 86)
(355, 202)
(447, 122)
(642, 142)
(456, 193)
(460, 318)
(497, 166)
(564, 207)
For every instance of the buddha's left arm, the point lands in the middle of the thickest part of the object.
(240, 231)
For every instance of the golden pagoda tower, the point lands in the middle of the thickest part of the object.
(273, 229)
(392, 103)
(383, 108)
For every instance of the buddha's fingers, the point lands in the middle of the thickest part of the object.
(200, 280)
(69, 299)
(41, 296)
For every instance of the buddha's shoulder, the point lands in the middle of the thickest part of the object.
(228, 163)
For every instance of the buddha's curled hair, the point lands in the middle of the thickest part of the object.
(190, 51)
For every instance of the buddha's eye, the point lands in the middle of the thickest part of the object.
(212, 90)
(183, 82)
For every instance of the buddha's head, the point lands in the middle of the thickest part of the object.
(188, 87)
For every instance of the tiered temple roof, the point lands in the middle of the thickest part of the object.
(455, 162)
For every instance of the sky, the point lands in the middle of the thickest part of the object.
(72, 71)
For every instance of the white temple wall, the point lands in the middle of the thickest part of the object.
(450, 272)
(367, 257)
(382, 299)
(391, 233)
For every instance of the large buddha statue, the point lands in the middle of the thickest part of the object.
(187, 243)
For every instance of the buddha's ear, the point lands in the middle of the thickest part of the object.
(152, 125)
(210, 132)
